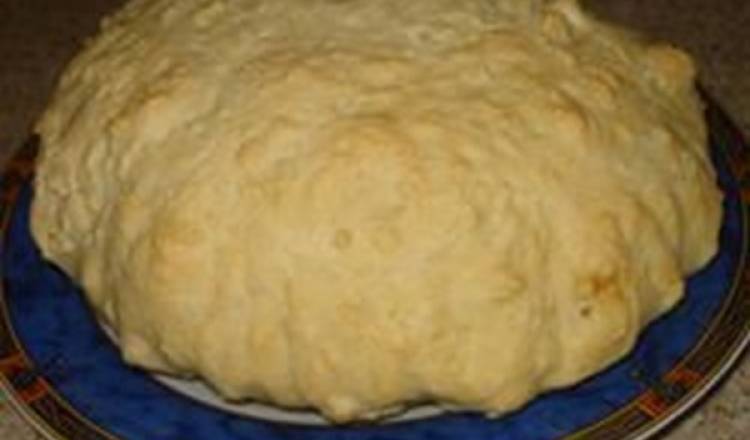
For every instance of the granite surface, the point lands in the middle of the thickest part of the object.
(37, 37)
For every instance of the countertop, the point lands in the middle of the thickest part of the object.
(37, 37)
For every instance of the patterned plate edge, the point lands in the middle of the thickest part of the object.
(29, 394)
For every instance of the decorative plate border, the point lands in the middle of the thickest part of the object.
(667, 399)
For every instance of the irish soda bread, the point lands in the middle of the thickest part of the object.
(356, 205)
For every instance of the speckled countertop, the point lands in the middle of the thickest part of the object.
(38, 36)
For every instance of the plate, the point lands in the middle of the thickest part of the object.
(66, 377)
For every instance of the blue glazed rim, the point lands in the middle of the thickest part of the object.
(55, 365)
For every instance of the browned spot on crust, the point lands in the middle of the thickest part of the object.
(600, 284)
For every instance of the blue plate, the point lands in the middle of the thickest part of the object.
(65, 375)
